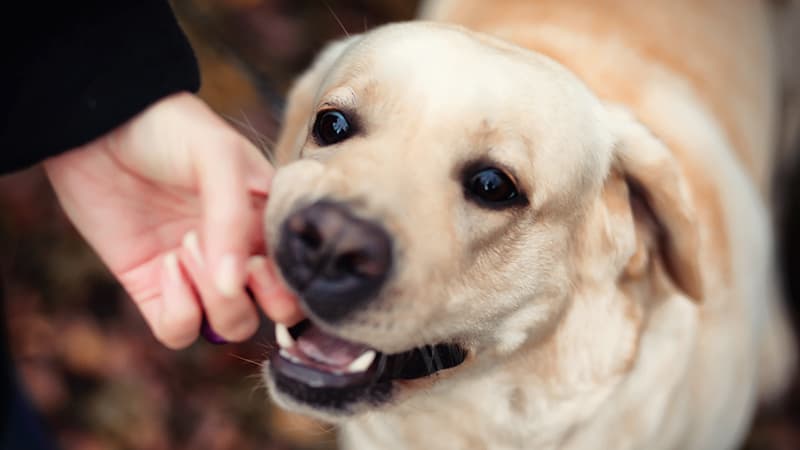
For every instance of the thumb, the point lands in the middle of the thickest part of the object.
(227, 174)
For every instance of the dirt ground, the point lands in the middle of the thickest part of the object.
(90, 364)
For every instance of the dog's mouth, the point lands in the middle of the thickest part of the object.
(322, 370)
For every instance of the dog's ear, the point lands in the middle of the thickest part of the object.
(300, 101)
(661, 201)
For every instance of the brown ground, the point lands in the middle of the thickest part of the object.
(89, 361)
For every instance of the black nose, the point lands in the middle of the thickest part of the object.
(335, 260)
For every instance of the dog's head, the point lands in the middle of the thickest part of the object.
(443, 199)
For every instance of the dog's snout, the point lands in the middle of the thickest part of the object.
(335, 260)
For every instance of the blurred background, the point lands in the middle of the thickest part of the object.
(89, 362)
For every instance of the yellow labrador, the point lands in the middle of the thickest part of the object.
(534, 224)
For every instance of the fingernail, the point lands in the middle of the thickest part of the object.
(209, 334)
(227, 277)
(171, 266)
(192, 244)
(256, 263)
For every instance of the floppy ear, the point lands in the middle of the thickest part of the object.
(301, 98)
(661, 200)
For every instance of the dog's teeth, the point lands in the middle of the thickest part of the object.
(289, 356)
(283, 337)
(362, 363)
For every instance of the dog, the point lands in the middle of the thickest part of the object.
(533, 224)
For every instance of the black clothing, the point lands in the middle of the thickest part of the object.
(72, 71)
(78, 69)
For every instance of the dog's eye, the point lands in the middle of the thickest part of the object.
(331, 126)
(491, 187)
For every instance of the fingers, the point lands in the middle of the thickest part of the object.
(174, 316)
(230, 172)
(279, 304)
(179, 320)
(227, 217)
(259, 171)
(233, 179)
(234, 318)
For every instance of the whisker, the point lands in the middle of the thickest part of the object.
(323, 428)
(255, 376)
(426, 358)
(380, 369)
(260, 136)
(259, 385)
(341, 25)
(436, 359)
(269, 347)
(268, 141)
(317, 429)
(453, 355)
(264, 144)
(255, 363)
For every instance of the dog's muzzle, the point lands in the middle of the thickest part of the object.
(337, 262)
(333, 259)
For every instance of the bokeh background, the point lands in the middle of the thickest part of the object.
(89, 362)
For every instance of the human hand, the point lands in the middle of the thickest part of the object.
(172, 201)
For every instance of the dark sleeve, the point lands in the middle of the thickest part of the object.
(77, 69)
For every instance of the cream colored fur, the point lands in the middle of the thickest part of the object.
(633, 303)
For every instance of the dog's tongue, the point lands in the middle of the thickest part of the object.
(328, 350)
